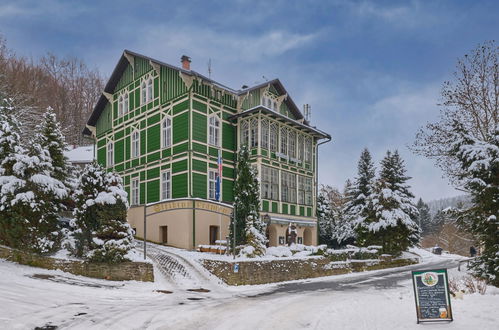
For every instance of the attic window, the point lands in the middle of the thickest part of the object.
(269, 102)
(147, 91)
(120, 106)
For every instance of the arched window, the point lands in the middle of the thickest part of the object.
(274, 136)
(244, 133)
(214, 131)
(292, 144)
(143, 92)
(150, 95)
(284, 140)
(265, 134)
(301, 149)
(308, 150)
(135, 144)
(166, 132)
(125, 104)
(254, 132)
(120, 106)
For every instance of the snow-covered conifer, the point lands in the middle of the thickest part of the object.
(250, 229)
(479, 167)
(28, 217)
(114, 237)
(99, 228)
(424, 218)
(358, 209)
(49, 136)
(393, 226)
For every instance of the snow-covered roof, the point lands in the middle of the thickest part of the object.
(84, 154)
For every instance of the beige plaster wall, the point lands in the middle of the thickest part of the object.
(205, 219)
(179, 224)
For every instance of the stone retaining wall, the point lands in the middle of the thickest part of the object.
(270, 271)
(126, 271)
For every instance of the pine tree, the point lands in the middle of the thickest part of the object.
(479, 170)
(324, 217)
(99, 228)
(250, 229)
(424, 220)
(28, 215)
(393, 226)
(114, 237)
(358, 209)
(49, 136)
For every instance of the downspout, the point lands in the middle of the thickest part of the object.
(317, 181)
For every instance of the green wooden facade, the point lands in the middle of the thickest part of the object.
(189, 100)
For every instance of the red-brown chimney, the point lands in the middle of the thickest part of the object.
(186, 62)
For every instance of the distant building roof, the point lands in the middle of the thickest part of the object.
(84, 154)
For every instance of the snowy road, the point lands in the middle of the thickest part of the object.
(371, 300)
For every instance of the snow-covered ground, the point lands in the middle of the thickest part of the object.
(29, 299)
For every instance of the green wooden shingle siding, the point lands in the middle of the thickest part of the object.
(153, 138)
(199, 127)
(179, 185)
(179, 166)
(181, 127)
(227, 190)
(153, 191)
(172, 85)
(228, 136)
(199, 165)
(199, 185)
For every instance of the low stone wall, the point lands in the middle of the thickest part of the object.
(126, 271)
(270, 271)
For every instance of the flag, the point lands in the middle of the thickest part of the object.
(219, 176)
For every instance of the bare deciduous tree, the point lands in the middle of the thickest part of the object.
(472, 99)
(65, 84)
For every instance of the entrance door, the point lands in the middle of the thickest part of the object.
(213, 234)
(164, 234)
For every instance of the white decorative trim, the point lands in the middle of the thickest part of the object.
(108, 96)
(130, 59)
(155, 66)
(187, 79)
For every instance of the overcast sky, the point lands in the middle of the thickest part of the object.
(372, 71)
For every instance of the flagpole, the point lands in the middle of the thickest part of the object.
(219, 191)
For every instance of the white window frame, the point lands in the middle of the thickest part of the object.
(214, 130)
(284, 140)
(125, 104)
(292, 143)
(244, 133)
(135, 144)
(150, 90)
(301, 189)
(143, 93)
(301, 150)
(253, 133)
(270, 183)
(264, 130)
(120, 106)
(309, 191)
(166, 132)
(308, 149)
(274, 137)
(135, 191)
(166, 185)
(110, 154)
(212, 184)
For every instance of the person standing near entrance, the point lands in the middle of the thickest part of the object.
(472, 251)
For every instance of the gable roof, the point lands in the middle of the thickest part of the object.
(123, 64)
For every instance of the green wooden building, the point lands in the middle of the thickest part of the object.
(162, 127)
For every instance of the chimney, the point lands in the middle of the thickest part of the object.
(186, 62)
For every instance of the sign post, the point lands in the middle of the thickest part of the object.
(431, 293)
